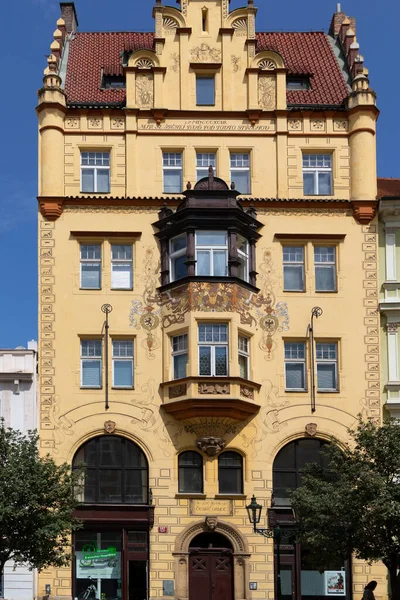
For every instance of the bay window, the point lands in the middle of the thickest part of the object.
(179, 355)
(213, 350)
(212, 253)
(177, 255)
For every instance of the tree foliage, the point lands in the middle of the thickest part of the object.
(36, 503)
(353, 507)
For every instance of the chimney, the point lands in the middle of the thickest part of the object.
(68, 13)
(337, 20)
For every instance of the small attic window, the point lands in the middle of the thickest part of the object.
(298, 82)
(113, 82)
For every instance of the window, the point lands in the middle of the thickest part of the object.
(289, 464)
(177, 255)
(293, 268)
(122, 358)
(90, 267)
(179, 355)
(297, 83)
(327, 379)
(91, 366)
(113, 82)
(95, 172)
(121, 267)
(317, 174)
(205, 160)
(205, 90)
(190, 473)
(230, 473)
(240, 172)
(244, 356)
(295, 366)
(116, 471)
(325, 268)
(243, 256)
(172, 172)
(212, 253)
(213, 350)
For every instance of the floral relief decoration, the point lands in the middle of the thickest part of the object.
(144, 90)
(267, 92)
(155, 309)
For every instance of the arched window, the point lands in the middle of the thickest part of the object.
(190, 473)
(230, 473)
(289, 464)
(116, 471)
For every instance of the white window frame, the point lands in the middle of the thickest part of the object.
(174, 255)
(182, 349)
(324, 361)
(294, 263)
(98, 358)
(331, 264)
(315, 170)
(211, 249)
(244, 256)
(210, 158)
(244, 352)
(127, 359)
(213, 345)
(103, 156)
(172, 167)
(121, 261)
(93, 261)
(297, 361)
(235, 168)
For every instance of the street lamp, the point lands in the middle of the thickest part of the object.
(254, 512)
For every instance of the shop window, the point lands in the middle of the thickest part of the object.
(190, 467)
(230, 473)
(116, 471)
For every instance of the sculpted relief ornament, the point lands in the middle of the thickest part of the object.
(144, 90)
(267, 92)
(204, 53)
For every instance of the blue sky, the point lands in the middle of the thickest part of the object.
(27, 28)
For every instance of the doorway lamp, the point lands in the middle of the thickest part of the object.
(254, 512)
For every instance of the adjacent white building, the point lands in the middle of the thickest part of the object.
(18, 407)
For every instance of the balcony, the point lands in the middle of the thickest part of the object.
(229, 398)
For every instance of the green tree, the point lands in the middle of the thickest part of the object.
(36, 503)
(353, 507)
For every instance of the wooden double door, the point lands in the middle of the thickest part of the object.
(211, 574)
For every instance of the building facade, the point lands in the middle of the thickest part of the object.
(18, 408)
(208, 294)
(389, 235)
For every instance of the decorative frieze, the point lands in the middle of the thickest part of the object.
(317, 125)
(214, 388)
(205, 53)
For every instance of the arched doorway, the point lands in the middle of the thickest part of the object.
(111, 550)
(210, 567)
(299, 578)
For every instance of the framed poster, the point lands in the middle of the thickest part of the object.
(335, 583)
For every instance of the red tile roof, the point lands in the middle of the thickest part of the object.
(388, 187)
(308, 54)
(303, 53)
